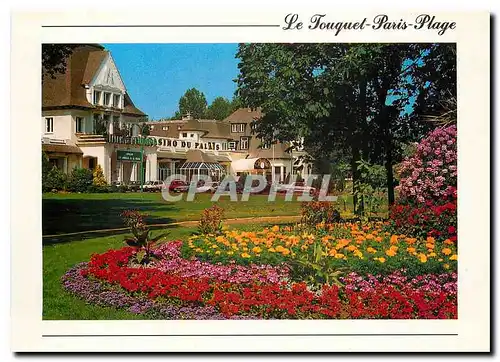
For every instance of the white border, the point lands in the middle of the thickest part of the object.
(472, 37)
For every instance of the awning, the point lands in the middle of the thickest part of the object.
(172, 155)
(61, 149)
(199, 156)
(244, 164)
(222, 159)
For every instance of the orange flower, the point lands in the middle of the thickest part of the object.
(394, 239)
(429, 246)
(371, 250)
(446, 251)
(422, 258)
(454, 257)
(332, 252)
(256, 250)
(381, 259)
(448, 241)
(411, 250)
(245, 255)
(390, 252)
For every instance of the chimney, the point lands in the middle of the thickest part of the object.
(187, 117)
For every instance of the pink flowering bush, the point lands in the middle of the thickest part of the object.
(431, 173)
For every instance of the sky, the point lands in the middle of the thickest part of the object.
(157, 75)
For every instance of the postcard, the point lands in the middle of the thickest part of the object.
(309, 181)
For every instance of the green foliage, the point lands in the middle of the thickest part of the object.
(219, 109)
(370, 189)
(80, 180)
(317, 212)
(194, 102)
(54, 59)
(211, 220)
(317, 267)
(98, 177)
(141, 238)
(55, 180)
(46, 167)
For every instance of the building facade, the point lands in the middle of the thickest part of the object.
(89, 119)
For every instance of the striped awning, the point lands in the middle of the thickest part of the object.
(53, 148)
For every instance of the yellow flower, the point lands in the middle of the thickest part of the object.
(371, 250)
(390, 252)
(230, 253)
(256, 250)
(446, 266)
(446, 251)
(217, 252)
(332, 252)
(359, 254)
(275, 228)
(422, 257)
(454, 257)
(245, 255)
(271, 250)
(381, 259)
(339, 256)
(440, 259)
(285, 251)
(430, 255)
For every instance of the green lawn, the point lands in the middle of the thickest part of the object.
(66, 213)
(59, 257)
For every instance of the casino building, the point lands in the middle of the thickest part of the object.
(88, 118)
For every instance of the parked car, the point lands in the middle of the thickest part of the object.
(296, 187)
(207, 187)
(134, 186)
(153, 186)
(178, 186)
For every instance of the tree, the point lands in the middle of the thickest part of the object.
(98, 177)
(194, 103)
(219, 109)
(353, 97)
(54, 58)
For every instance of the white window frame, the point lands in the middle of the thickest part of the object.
(165, 128)
(98, 100)
(244, 140)
(264, 145)
(238, 127)
(82, 124)
(107, 104)
(49, 124)
(118, 98)
(184, 134)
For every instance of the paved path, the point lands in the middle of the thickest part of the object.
(241, 220)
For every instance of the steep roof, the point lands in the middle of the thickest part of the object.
(67, 89)
(244, 115)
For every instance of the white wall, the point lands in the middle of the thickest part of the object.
(100, 152)
(62, 128)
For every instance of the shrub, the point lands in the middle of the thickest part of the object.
(55, 180)
(317, 212)
(431, 173)
(436, 220)
(80, 179)
(98, 177)
(211, 220)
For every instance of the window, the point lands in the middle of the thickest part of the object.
(231, 145)
(49, 125)
(264, 145)
(238, 127)
(152, 127)
(79, 125)
(116, 100)
(184, 135)
(244, 143)
(107, 98)
(97, 97)
(165, 128)
(192, 135)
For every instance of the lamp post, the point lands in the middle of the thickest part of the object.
(142, 162)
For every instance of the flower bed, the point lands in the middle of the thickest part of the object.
(251, 275)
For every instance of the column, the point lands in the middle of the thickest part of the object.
(133, 176)
(120, 171)
(153, 162)
(281, 174)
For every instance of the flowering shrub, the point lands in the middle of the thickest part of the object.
(439, 221)
(315, 212)
(431, 173)
(373, 297)
(211, 220)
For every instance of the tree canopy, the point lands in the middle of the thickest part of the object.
(348, 101)
(194, 103)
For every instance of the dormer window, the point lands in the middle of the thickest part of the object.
(165, 128)
(238, 127)
(264, 145)
(116, 100)
(107, 99)
(97, 97)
